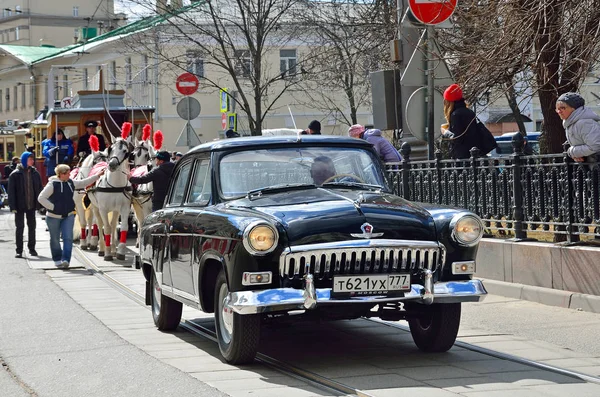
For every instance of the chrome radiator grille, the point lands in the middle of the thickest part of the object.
(324, 261)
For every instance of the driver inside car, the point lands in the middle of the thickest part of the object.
(322, 169)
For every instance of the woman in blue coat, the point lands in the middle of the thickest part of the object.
(57, 153)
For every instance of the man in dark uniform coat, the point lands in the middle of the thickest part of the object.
(83, 145)
(159, 175)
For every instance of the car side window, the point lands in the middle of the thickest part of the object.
(181, 182)
(200, 190)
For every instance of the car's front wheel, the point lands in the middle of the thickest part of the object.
(166, 312)
(436, 328)
(238, 335)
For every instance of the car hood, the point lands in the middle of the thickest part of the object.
(327, 215)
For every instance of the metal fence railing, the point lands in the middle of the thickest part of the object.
(517, 193)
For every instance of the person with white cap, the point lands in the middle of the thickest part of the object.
(581, 126)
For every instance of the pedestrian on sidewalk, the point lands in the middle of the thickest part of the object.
(24, 185)
(383, 147)
(57, 197)
(581, 127)
(461, 126)
(57, 150)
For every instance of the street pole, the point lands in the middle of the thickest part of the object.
(429, 39)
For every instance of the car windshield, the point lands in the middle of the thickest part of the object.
(253, 170)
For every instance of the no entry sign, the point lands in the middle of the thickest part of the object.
(187, 84)
(432, 12)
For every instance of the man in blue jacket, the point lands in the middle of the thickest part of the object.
(57, 150)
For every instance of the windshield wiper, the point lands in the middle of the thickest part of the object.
(256, 193)
(355, 185)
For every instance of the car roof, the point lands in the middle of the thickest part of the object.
(262, 142)
(507, 136)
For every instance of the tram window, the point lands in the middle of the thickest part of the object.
(10, 150)
(2, 156)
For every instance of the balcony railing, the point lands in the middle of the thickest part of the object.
(517, 193)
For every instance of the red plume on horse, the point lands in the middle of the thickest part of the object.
(125, 130)
(94, 143)
(158, 139)
(146, 131)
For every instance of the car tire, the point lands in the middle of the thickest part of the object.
(238, 335)
(166, 312)
(435, 331)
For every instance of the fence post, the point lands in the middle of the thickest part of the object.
(474, 154)
(571, 238)
(518, 144)
(405, 150)
(438, 175)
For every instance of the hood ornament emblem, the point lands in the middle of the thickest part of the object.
(367, 232)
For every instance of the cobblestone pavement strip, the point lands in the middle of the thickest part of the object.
(368, 355)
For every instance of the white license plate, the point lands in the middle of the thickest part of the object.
(371, 284)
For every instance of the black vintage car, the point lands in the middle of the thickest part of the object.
(256, 228)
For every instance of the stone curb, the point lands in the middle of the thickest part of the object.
(546, 296)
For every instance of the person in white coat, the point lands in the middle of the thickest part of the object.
(581, 127)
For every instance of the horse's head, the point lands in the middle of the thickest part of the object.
(100, 156)
(142, 153)
(117, 154)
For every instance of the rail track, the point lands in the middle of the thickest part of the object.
(328, 385)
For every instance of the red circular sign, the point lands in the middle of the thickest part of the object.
(432, 12)
(187, 84)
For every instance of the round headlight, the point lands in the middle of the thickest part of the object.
(260, 238)
(467, 229)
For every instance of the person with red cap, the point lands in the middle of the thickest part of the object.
(461, 129)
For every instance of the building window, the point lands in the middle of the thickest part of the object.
(56, 88)
(15, 95)
(65, 86)
(7, 99)
(32, 95)
(1, 102)
(195, 64)
(85, 79)
(287, 62)
(128, 71)
(17, 33)
(75, 11)
(23, 97)
(243, 63)
(113, 75)
(144, 72)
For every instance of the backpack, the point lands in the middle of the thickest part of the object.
(487, 142)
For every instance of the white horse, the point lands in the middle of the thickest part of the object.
(144, 156)
(112, 196)
(85, 216)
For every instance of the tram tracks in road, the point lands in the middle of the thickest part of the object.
(318, 381)
(323, 383)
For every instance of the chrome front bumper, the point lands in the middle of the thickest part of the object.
(286, 299)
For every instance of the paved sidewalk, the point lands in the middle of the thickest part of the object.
(52, 347)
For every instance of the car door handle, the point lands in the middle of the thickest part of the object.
(178, 212)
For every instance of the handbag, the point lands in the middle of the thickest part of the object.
(486, 141)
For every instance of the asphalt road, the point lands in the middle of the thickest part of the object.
(50, 346)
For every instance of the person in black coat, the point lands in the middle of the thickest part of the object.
(24, 186)
(83, 145)
(159, 176)
(8, 169)
(462, 124)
